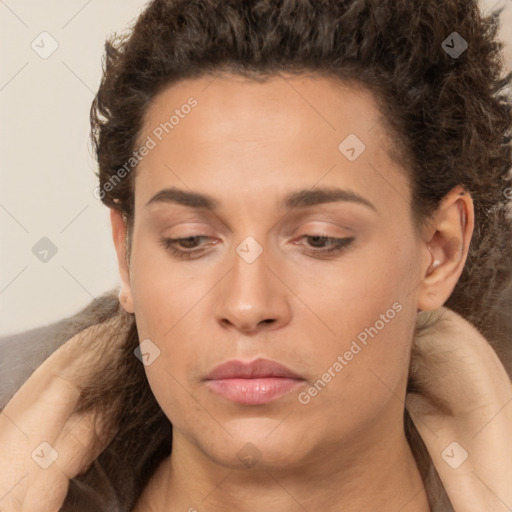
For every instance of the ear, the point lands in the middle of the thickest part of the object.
(446, 242)
(119, 236)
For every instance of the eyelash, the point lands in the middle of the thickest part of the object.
(339, 245)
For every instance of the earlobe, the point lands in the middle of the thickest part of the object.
(447, 242)
(119, 238)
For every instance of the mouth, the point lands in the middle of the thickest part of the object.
(254, 383)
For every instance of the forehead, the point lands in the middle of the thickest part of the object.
(326, 105)
(238, 133)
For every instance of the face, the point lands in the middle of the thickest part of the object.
(302, 251)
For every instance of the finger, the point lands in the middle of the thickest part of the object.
(9, 501)
(81, 442)
(42, 415)
(27, 434)
(77, 447)
(25, 460)
(46, 494)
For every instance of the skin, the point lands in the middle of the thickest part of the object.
(248, 145)
(44, 440)
(464, 415)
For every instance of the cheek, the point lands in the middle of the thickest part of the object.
(167, 301)
(364, 378)
(345, 299)
(371, 313)
(163, 293)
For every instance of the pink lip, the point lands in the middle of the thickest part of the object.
(252, 383)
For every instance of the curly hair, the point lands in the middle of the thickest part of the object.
(450, 116)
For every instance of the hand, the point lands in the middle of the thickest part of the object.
(33, 476)
(462, 409)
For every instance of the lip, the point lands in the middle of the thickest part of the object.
(254, 383)
(259, 368)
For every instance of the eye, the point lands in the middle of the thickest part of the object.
(326, 245)
(189, 246)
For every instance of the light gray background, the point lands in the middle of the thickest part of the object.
(47, 178)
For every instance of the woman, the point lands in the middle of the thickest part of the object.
(309, 208)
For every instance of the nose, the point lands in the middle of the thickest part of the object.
(253, 297)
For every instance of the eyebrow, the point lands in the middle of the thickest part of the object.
(299, 199)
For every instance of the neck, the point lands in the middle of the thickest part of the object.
(368, 476)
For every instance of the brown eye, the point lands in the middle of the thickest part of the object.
(327, 245)
(188, 245)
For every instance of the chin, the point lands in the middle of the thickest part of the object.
(254, 445)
